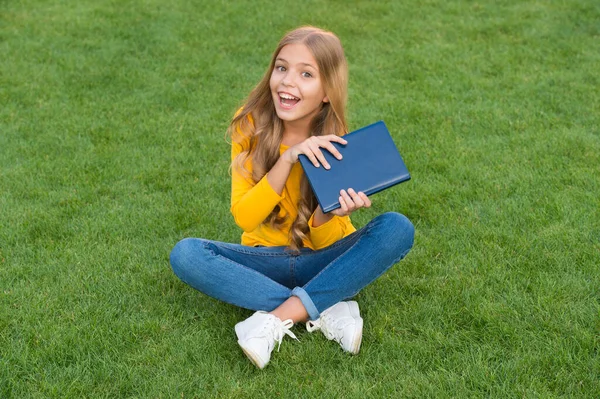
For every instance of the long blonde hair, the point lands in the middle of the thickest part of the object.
(258, 121)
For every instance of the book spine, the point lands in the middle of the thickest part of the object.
(386, 184)
(371, 191)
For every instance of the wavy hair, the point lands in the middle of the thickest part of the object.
(260, 131)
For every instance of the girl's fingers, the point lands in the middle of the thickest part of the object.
(343, 205)
(325, 142)
(365, 199)
(331, 148)
(311, 147)
(312, 157)
(349, 202)
(358, 201)
(338, 139)
(318, 154)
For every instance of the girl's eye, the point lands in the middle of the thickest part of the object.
(307, 74)
(280, 68)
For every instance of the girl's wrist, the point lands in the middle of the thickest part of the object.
(287, 158)
(320, 218)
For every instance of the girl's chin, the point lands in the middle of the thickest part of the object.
(294, 115)
(287, 114)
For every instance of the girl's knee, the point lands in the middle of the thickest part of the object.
(182, 254)
(397, 229)
(397, 223)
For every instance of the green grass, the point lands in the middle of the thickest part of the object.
(112, 148)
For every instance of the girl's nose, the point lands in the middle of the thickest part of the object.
(288, 80)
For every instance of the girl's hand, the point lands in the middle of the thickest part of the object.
(311, 147)
(350, 201)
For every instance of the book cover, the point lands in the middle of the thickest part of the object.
(370, 163)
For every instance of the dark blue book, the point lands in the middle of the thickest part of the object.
(370, 163)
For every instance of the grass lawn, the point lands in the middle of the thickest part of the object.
(112, 123)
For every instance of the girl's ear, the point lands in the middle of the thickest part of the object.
(326, 99)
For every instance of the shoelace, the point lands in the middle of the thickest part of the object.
(325, 323)
(278, 329)
(313, 325)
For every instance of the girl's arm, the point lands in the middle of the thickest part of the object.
(250, 203)
(279, 174)
(326, 228)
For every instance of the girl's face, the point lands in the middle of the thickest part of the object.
(296, 85)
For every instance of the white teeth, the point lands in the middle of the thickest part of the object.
(287, 96)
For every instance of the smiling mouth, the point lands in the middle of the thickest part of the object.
(288, 101)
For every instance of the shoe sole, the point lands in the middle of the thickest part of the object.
(253, 357)
(355, 313)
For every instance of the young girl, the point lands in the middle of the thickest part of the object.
(295, 263)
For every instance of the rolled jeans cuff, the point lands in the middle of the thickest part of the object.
(311, 309)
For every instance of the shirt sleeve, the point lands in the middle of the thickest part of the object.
(328, 233)
(250, 203)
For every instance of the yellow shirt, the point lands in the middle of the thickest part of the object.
(252, 203)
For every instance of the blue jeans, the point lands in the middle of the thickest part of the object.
(262, 278)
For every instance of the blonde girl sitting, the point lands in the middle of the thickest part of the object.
(295, 263)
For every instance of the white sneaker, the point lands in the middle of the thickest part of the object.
(342, 323)
(258, 333)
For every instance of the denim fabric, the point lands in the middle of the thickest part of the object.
(261, 278)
